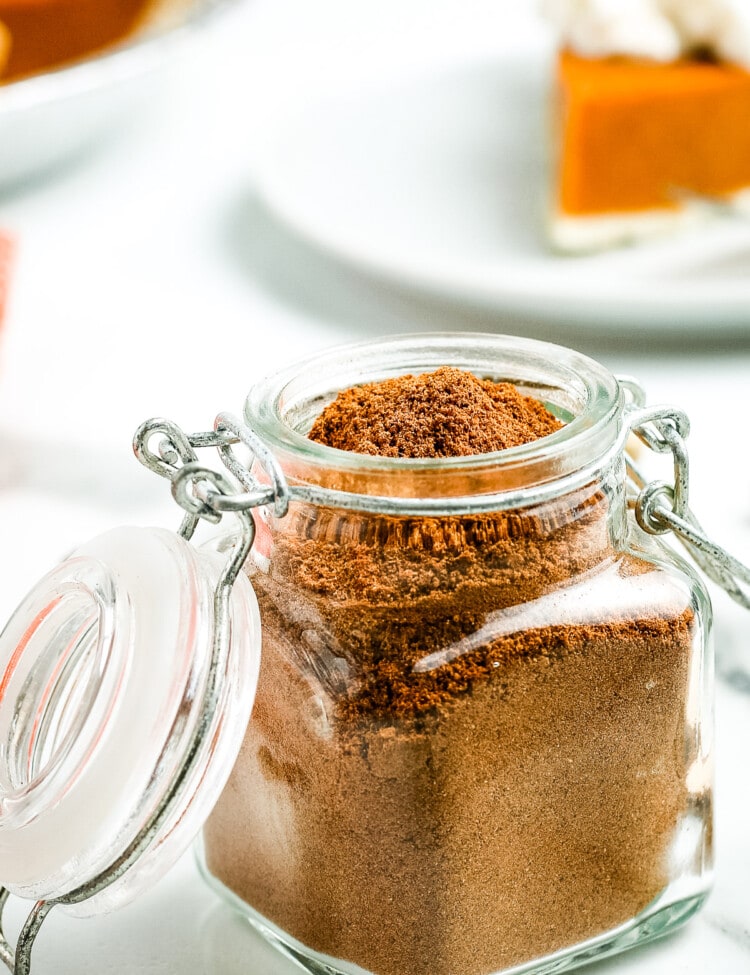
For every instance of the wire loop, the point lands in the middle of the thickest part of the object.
(661, 508)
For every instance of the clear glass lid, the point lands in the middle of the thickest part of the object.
(121, 715)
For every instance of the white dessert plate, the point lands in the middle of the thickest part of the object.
(437, 179)
(49, 117)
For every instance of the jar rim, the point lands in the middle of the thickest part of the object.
(278, 405)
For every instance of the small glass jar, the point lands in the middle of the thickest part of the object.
(482, 734)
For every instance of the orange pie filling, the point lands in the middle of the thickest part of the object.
(37, 35)
(640, 136)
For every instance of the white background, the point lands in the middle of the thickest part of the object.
(151, 281)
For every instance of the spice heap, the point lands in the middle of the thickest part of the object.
(446, 413)
(467, 748)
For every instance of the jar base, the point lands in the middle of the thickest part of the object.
(674, 906)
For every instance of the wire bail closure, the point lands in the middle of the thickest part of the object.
(204, 494)
(661, 508)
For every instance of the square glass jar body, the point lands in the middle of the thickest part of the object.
(481, 741)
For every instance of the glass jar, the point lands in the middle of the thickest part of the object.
(482, 736)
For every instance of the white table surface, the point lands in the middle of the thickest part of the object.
(150, 281)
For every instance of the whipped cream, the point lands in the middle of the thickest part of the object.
(661, 30)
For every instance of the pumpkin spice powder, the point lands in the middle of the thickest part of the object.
(460, 759)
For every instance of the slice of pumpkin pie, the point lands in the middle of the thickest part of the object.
(5, 43)
(653, 116)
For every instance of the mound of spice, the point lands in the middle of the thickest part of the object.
(446, 413)
(468, 743)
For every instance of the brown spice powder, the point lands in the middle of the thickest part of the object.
(461, 758)
(446, 413)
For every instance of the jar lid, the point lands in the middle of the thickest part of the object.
(121, 716)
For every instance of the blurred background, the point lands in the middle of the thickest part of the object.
(239, 183)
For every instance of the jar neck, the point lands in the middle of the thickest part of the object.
(459, 564)
(576, 389)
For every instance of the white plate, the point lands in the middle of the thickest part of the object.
(438, 179)
(50, 117)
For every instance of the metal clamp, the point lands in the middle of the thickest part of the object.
(203, 492)
(661, 508)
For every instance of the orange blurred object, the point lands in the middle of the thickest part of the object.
(7, 249)
(5, 43)
(638, 136)
(34, 3)
(49, 33)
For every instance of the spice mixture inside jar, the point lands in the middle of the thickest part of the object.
(478, 738)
